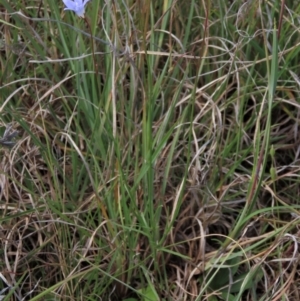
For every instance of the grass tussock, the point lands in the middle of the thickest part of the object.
(149, 151)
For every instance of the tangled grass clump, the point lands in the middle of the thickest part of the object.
(157, 155)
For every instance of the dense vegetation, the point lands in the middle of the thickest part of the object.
(150, 150)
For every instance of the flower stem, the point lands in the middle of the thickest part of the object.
(93, 50)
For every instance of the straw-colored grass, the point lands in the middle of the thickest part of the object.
(157, 155)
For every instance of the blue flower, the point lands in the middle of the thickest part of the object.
(77, 6)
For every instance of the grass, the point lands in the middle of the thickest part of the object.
(157, 155)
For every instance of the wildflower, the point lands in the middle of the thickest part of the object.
(77, 6)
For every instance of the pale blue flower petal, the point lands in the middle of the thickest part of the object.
(78, 6)
(71, 5)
